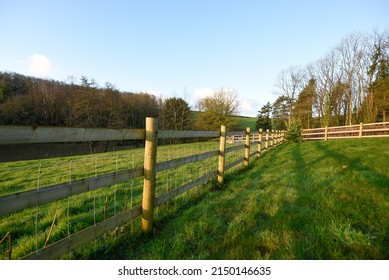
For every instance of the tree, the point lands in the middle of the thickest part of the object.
(380, 86)
(289, 83)
(326, 73)
(351, 51)
(281, 113)
(175, 114)
(218, 110)
(263, 118)
(304, 103)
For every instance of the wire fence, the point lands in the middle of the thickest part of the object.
(99, 213)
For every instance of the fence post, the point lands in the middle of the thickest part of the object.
(276, 137)
(360, 129)
(272, 138)
(222, 156)
(150, 169)
(259, 143)
(267, 140)
(247, 148)
(326, 133)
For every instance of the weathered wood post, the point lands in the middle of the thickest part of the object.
(222, 156)
(360, 129)
(326, 133)
(150, 162)
(247, 148)
(259, 143)
(272, 138)
(267, 140)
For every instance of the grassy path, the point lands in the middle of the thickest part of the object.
(316, 200)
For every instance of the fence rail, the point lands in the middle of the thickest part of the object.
(352, 131)
(34, 198)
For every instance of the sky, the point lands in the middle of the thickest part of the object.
(179, 48)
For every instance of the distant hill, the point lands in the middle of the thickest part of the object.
(243, 121)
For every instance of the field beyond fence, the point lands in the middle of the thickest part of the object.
(51, 207)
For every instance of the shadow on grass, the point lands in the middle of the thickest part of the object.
(376, 178)
(346, 230)
(211, 217)
(288, 218)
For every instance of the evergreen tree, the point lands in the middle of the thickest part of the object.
(263, 118)
(304, 103)
(380, 86)
(281, 113)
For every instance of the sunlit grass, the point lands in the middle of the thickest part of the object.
(30, 227)
(315, 200)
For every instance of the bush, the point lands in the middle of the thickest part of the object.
(294, 132)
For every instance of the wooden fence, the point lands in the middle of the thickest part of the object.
(34, 198)
(352, 131)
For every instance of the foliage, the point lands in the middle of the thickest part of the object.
(218, 110)
(263, 118)
(280, 113)
(175, 114)
(349, 84)
(304, 103)
(294, 132)
(32, 101)
(380, 86)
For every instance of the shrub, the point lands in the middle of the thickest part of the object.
(294, 132)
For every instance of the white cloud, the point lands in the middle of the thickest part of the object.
(39, 64)
(248, 107)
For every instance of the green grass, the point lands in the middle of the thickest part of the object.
(30, 227)
(244, 122)
(315, 200)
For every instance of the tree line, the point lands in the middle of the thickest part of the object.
(348, 85)
(33, 101)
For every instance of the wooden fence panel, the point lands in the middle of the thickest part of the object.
(19, 201)
(343, 132)
(23, 200)
(72, 242)
(40, 134)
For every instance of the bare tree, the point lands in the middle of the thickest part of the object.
(351, 51)
(326, 73)
(290, 82)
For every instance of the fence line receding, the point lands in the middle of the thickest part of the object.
(114, 198)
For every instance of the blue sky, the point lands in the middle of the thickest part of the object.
(178, 48)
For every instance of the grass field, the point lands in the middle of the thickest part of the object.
(30, 227)
(315, 200)
(243, 122)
